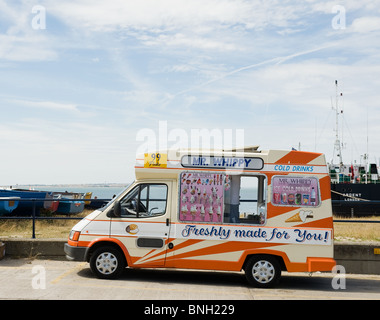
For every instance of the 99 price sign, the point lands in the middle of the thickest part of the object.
(155, 160)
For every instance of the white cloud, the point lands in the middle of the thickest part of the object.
(52, 105)
(207, 25)
(351, 6)
(26, 47)
(365, 24)
(19, 41)
(151, 14)
(182, 40)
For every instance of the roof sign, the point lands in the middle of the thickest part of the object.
(216, 162)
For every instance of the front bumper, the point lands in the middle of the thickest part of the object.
(75, 253)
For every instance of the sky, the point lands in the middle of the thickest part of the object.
(85, 84)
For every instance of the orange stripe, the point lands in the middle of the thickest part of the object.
(325, 187)
(148, 253)
(84, 243)
(163, 252)
(312, 264)
(226, 247)
(72, 243)
(204, 264)
(298, 157)
(178, 262)
(321, 223)
(274, 211)
(181, 245)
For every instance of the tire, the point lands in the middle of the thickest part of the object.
(107, 262)
(263, 271)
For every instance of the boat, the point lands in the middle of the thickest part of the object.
(96, 203)
(47, 202)
(355, 188)
(72, 202)
(70, 207)
(8, 204)
(26, 207)
(353, 194)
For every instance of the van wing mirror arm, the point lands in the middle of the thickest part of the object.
(117, 209)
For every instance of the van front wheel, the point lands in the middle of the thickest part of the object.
(263, 271)
(107, 262)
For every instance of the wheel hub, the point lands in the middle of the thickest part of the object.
(263, 271)
(106, 263)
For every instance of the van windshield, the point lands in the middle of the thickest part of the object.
(114, 198)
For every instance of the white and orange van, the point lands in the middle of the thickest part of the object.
(257, 211)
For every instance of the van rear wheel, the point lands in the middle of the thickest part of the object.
(263, 271)
(107, 262)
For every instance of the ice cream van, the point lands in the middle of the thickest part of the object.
(259, 211)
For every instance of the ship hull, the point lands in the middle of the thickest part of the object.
(349, 199)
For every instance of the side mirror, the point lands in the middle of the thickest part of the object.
(117, 209)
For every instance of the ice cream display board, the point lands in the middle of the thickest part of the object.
(295, 191)
(201, 197)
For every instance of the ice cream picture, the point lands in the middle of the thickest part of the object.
(219, 212)
(132, 229)
(300, 216)
(200, 197)
(184, 209)
(203, 212)
(211, 213)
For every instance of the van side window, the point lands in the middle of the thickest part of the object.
(145, 200)
(295, 191)
(244, 199)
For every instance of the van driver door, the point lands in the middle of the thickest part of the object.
(143, 225)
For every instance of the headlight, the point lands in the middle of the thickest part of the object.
(74, 235)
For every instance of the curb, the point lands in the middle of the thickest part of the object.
(357, 258)
(32, 248)
(363, 258)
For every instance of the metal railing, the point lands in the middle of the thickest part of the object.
(35, 216)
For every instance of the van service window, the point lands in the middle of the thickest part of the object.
(215, 197)
(245, 199)
(295, 191)
(145, 200)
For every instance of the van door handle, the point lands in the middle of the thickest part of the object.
(167, 222)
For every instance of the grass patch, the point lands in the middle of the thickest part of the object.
(352, 231)
(44, 229)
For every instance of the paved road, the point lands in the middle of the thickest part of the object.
(57, 279)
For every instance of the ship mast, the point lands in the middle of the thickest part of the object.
(337, 145)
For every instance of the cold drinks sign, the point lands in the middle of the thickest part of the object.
(295, 191)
